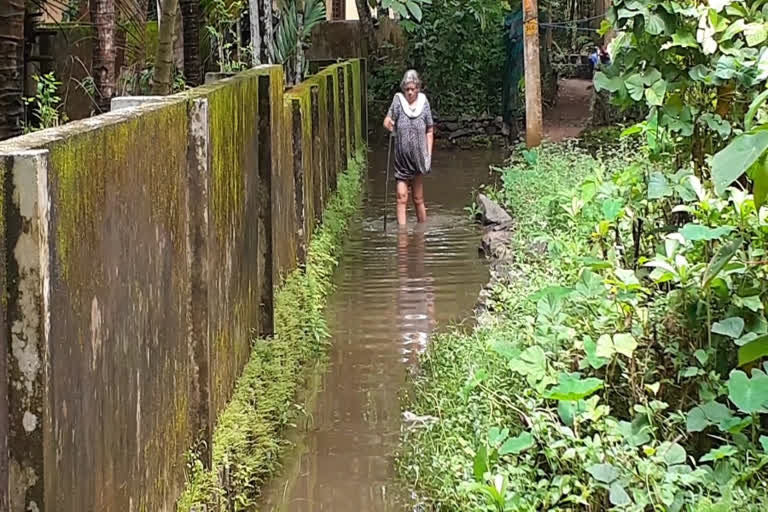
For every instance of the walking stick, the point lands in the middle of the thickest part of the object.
(386, 185)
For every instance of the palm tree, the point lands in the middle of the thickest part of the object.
(161, 79)
(104, 51)
(11, 67)
(190, 17)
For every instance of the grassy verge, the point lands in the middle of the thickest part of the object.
(248, 440)
(595, 383)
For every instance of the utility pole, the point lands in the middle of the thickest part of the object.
(533, 122)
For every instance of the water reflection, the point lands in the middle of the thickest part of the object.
(392, 290)
(415, 295)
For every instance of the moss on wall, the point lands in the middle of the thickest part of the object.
(83, 164)
(248, 437)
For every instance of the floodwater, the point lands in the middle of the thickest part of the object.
(392, 291)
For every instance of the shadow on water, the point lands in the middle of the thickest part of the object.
(393, 289)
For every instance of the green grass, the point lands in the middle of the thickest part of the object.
(249, 436)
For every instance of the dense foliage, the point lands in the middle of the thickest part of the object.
(249, 433)
(697, 67)
(613, 372)
(458, 47)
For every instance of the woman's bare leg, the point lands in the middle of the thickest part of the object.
(418, 198)
(402, 201)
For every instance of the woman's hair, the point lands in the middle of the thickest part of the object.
(410, 76)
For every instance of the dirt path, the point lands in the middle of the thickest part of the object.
(568, 118)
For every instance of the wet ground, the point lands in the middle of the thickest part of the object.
(569, 116)
(393, 289)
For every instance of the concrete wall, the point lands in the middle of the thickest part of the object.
(141, 249)
(337, 40)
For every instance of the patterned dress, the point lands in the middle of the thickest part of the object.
(411, 156)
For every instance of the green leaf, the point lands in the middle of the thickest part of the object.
(612, 208)
(635, 86)
(590, 348)
(605, 347)
(755, 33)
(752, 302)
(717, 124)
(635, 433)
(654, 24)
(672, 453)
(716, 412)
(738, 156)
(683, 39)
(515, 445)
(604, 83)
(701, 73)
(618, 495)
(415, 10)
(505, 349)
(567, 411)
(531, 363)
(764, 443)
(719, 260)
(719, 453)
(658, 186)
(758, 173)
(701, 356)
(753, 108)
(572, 387)
(654, 95)
(697, 232)
(605, 473)
(480, 464)
(750, 395)
(754, 350)
(696, 420)
(624, 343)
(734, 28)
(731, 327)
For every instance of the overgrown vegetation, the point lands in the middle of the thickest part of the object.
(612, 372)
(46, 104)
(459, 48)
(248, 438)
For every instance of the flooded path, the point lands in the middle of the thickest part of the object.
(392, 290)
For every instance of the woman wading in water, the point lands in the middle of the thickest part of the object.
(410, 120)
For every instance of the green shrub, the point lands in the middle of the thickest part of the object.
(612, 372)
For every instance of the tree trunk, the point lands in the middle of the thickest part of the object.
(300, 52)
(11, 68)
(269, 32)
(161, 79)
(366, 21)
(253, 14)
(190, 15)
(104, 51)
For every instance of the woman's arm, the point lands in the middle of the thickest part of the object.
(389, 124)
(430, 139)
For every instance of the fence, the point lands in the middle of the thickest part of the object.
(141, 250)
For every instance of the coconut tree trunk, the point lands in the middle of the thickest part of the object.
(366, 21)
(11, 67)
(269, 31)
(253, 14)
(190, 16)
(104, 51)
(161, 79)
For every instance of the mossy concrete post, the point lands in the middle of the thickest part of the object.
(267, 157)
(297, 134)
(27, 307)
(198, 169)
(318, 173)
(343, 124)
(349, 86)
(5, 174)
(332, 142)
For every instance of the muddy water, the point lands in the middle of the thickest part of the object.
(392, 291)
